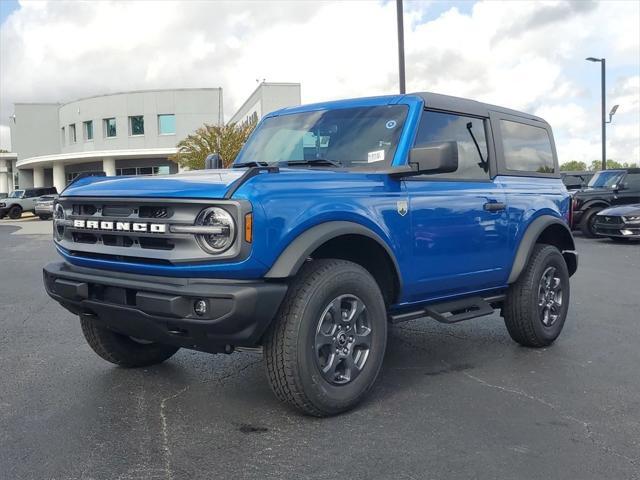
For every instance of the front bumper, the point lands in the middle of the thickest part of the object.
(161, 309)
(4, 211)
(622, 230)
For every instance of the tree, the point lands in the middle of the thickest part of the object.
(2, 150)
(226, 140)
(596, 165)
(573, 166)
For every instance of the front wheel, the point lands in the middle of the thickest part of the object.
(537, 303)
(324, 351)
(123, 350)
(15, 212)
(587, 226)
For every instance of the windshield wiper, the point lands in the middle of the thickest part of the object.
(250, 164)
(314, 161)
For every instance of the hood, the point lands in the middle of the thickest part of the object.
(198, 184)
(588, 192)
(626, 210)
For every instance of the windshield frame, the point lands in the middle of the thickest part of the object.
(614, 177)
(415, 106)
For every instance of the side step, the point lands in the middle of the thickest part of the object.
(450, 312)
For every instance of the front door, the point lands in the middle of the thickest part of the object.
(458, 220)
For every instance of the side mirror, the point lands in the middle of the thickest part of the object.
(212, 161)
(440, 157)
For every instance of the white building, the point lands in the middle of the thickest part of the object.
(130, 133)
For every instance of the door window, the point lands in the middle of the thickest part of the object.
(467, 132)
(632, 181)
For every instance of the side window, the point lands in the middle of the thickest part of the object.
(633, 181)
(526, 148)
(468, 132)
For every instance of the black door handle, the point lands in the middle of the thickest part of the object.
(494, 206)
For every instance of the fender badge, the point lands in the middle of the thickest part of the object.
(402, 207)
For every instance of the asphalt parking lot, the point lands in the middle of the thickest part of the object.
(459, 401)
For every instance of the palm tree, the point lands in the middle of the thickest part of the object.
(226, 140)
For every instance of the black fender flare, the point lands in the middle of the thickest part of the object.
(297, 252)
(529, 239)
(598, 202)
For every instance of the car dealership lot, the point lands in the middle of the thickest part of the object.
(460, 401)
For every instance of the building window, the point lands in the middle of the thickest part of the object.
(63, 140)
(109, 127)
(160, 170)
(88, 130)
(167, 124)
(72, 133)
(136, 125)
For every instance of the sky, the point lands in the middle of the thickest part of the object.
(518, 54)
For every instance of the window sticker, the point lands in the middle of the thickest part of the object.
(391, 124)
(376, 156)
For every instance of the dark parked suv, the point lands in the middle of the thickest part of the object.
(607, 188)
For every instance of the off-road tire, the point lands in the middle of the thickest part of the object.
(15, 212)
(586, 225)
(289, 346)
(122, 350)
(521, 312)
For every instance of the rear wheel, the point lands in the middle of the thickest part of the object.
(123, 350)
(325, 349)
(587, 226)
(537, 303)
(15, 212)
(44, 217)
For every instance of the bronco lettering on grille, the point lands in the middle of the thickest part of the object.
(120, 226)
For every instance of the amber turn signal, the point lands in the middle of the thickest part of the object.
(248, 227)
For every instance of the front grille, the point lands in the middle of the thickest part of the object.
(609, 220)
(115, 237)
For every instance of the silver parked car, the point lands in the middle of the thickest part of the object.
(44, 206)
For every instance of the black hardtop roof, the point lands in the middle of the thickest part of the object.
(465, 105)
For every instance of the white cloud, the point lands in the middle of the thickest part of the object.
(524, 55)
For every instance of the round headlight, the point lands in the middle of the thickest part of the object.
(224, 235)
(58, 221)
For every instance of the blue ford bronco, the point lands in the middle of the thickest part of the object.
(336, 220)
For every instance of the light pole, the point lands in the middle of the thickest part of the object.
(603, 63)
(400, 45)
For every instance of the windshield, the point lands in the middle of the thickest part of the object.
(344, 137)
(605, 179)
(16, 194)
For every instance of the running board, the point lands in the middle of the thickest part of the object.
(450, 312)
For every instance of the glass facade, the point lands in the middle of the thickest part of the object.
(136, 125)
(160, 170)
(109, 127)
(88, 130)
(166, 124)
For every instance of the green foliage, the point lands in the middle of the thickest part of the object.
(226, 140)
(611, 164)
(573, 166)
(3, 150)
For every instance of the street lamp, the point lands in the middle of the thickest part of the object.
(613, 112)
(604, 119)
(400, 20)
